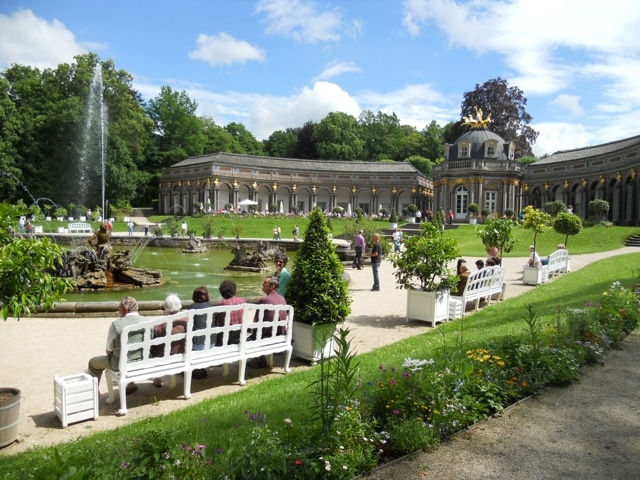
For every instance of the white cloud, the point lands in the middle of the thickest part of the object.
(223, 49)
(560, 136)
(29, 40)
(336, 69)
(548, 54)
(568, 102)
(277, 113)
(415, 105)
(304, 22)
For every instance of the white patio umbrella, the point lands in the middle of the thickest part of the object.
(246, 203)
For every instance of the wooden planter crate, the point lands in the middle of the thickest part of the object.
(75, 398)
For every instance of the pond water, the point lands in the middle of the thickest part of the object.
(181, 274)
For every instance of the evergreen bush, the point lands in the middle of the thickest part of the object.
(317, 290)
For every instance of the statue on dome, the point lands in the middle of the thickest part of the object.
(478, 121)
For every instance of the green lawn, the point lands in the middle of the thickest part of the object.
(219, 422)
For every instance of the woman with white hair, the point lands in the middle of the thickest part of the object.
(172, 304)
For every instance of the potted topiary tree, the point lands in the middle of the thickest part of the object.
(207, 227)
(412, 209)
(423, 270)
(393, 219)
(473, 209)
(317, 291)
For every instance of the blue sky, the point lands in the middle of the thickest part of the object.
(273, 64)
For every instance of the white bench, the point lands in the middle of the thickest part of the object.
(481, 284)
(558, 262)
(255, 336)
(79, 227)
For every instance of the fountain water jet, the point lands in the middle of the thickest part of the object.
(94, 134)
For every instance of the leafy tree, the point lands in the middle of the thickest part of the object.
(599, 209)
(424, 263)
(27, 269)
(281, 144)
(178, 132)
(498, 232)
(526, 160)
(317, 290)
(473, 208)
(536, 220)
(306, 144)
(509, 118)
(393, 218)
(567, 224)
(422, 164)
(411, 143)
(244, 141)
(338, 137)
(554, 208)
(433, 141)
(217, 138)
(380, 134)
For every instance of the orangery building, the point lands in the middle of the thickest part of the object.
(478, 168)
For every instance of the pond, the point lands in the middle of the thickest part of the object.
(181, 274)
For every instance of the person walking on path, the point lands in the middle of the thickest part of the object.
(376, 254)
(130, 227)
(450, 217)
(360, 244)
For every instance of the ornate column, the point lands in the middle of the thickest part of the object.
(630, 208)
(617, 203)
(254, 191)
(394, 199)
(235, 192)
(373, 201)
(294, 196)
(354, 198)
(216, 193)
(313, 199)
(334, 198)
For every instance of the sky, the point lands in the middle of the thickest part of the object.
(275, 64)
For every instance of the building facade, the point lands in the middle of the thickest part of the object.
(478, 168)
(216, 182)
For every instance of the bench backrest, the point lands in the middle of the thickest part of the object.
(559, 257)
(484, 282)
(262, 326)
(150, 345)
(79, 226)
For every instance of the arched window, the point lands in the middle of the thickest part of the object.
(462, 200)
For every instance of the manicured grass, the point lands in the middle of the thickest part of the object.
(589, 240)
(220, 422)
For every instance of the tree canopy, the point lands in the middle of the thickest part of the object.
(507, 107)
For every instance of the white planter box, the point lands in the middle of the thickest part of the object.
(535, 276)
(37, 229)
(473, 221)
(307, 341)
(61, 229)
(432, 307)
(75, 398)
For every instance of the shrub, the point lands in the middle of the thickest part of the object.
(317, 290)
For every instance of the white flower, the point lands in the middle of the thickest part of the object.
(288, 422)
(327, 465)
(345, 467)
(416, 365)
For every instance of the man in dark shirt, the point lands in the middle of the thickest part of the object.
(376, 257)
